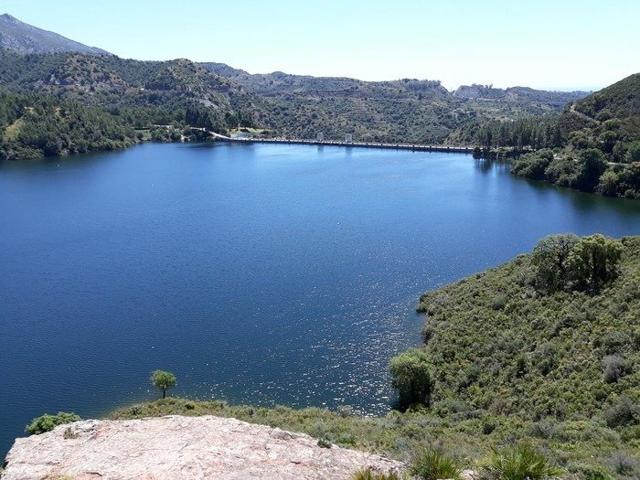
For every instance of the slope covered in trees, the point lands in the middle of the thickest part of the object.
(33, 126)
(593, 145)
(407, 110)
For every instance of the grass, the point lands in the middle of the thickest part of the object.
(433, 464)
(368, 474)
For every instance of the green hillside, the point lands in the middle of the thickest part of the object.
(499, 344)
(593, 146)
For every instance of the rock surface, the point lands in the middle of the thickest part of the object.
(176, 447)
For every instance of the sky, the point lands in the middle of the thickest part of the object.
(547, 44)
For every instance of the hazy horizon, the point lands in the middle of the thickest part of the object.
(462, 44)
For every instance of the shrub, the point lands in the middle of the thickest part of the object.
(590, 472)
(432, 464)
(369, 474)
(615, 342)
(608, 184)
(623, 412)
(615, 367)
(499, 302)
(624, 465)
(411, 377)
(520, 462)
(324, 443)
(46, 422)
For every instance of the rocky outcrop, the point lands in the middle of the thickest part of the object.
(176, 447)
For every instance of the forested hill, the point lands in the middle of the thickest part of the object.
(170, 96)
(594, 144)
(24, 38)
(147, 100)
(420, 111)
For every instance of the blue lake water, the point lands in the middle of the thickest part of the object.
(264, 274)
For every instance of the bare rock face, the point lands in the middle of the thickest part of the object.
(176, 447)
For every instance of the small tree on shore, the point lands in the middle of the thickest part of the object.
(411, 377)
(163, 381)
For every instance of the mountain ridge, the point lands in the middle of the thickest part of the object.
(24, 38)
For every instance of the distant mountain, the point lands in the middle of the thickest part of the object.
(518, 94)
(24, 38)
(421, 111)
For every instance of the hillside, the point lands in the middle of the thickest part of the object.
(420, 111)
(33, 126)
(217, 97)
(593, 145)
(499, 345)
(23, 38)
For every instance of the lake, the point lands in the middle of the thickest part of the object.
(263, 274)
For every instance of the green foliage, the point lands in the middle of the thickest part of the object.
(551, 257)
(163, 380)
(46, 422)
(594, 262)
(598, 140)
(411, 377)
(432, 464)
(519, 462)
(593, 164)
(566, 262)
(622, 412)
(633, 152)
(542, 355)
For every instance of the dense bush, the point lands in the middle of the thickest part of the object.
(566, 262)
(551, 259)
(614, 368)
(46, 422)
(622, 412)
(411, 377)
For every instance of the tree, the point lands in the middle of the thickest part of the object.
(633, 152)
(550, 257)
(593, 262)
(608, 183)
(411, 377)
(593, 164)
(163, 381)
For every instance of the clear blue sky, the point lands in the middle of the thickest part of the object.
(560, 44)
